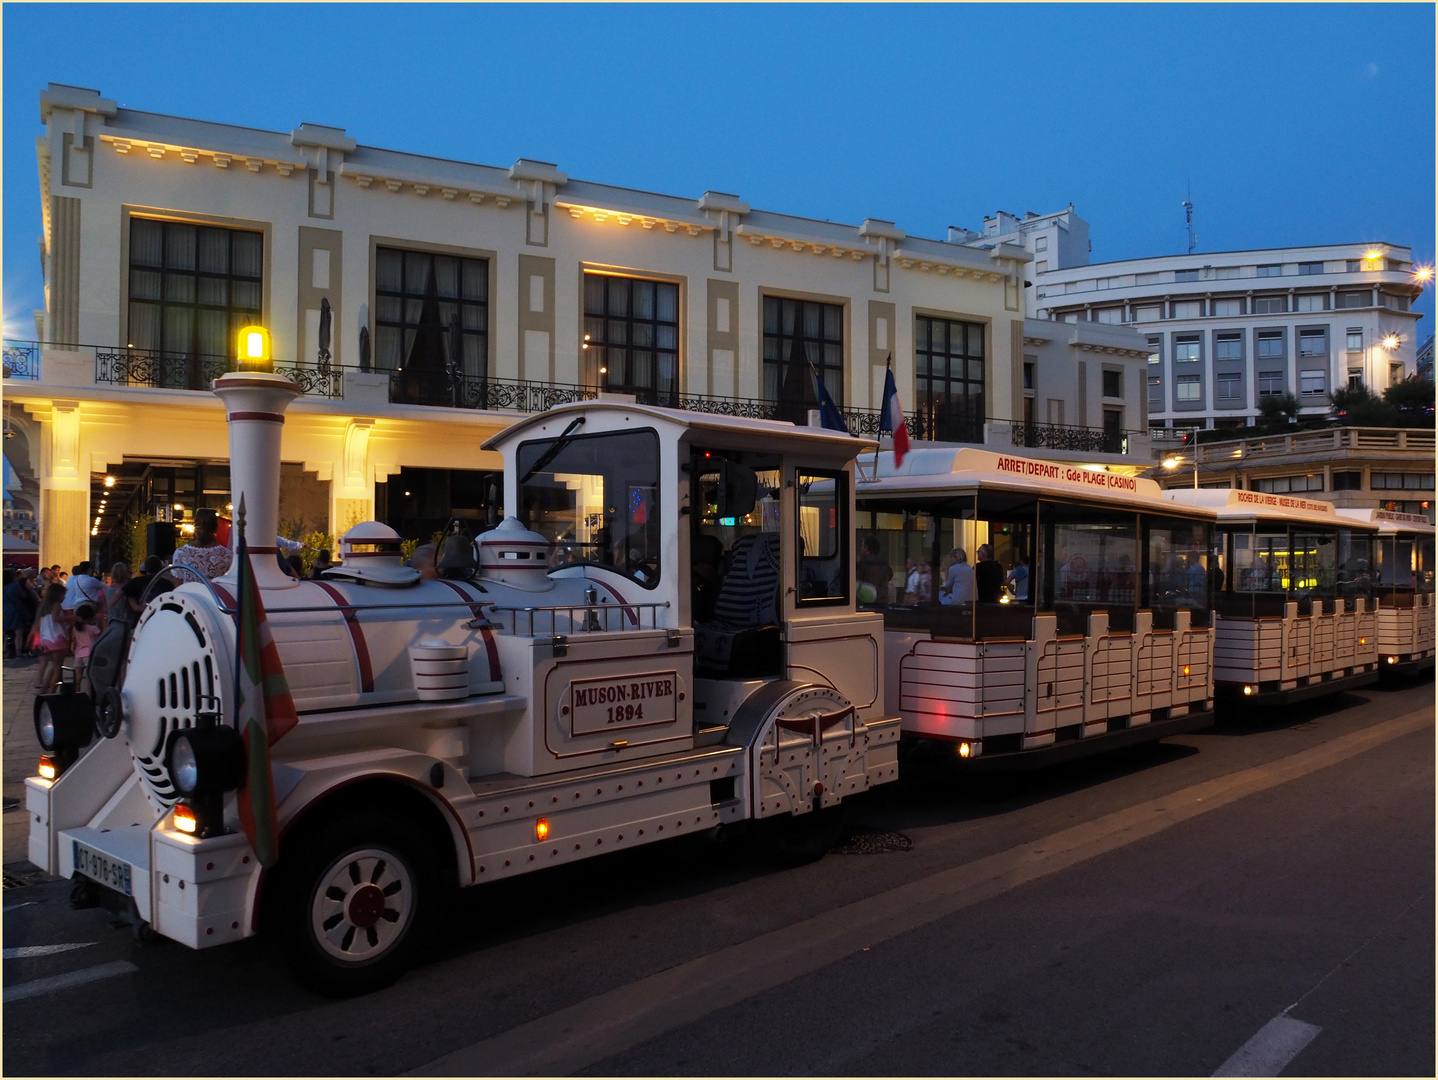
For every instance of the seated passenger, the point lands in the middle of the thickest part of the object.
(958, 587)
(705, 554)
(743, 639)
(874, 572)
(988, 576)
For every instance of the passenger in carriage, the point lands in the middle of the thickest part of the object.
(988, 576)
(874, 571)
(958, 587)
(1018, 577)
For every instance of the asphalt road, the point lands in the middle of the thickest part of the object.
(1250, 899)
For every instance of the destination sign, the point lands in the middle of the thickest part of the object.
(1283, 502)
(599, 705)
(1043, 470)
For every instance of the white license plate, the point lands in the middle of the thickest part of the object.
(112, 873)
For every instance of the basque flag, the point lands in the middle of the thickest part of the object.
(265, 709)
(891, 417)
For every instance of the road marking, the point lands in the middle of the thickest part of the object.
(1266, 1054)
(16, 907)
(573, 1038)
(24, 952)
(36, 987)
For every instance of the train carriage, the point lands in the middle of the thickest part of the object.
(1295, 614)
(1401, 580)
(1035, 610)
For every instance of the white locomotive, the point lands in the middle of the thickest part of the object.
(668, 644)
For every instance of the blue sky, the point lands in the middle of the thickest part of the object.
(1294, 124)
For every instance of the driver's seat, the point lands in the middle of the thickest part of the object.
(743, 637)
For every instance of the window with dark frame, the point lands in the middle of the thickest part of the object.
(1189, 388)
(632, 329)
(1228, 347)
(192, 288)
(949, 378)
(1270, 345)
(418, 295)
(1113, 384)
(1186, 348)
(1230, 388)
(1270, 305)
(1270, 382)
(802, 338)
(1310, 268)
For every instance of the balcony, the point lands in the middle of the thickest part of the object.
(75, 366)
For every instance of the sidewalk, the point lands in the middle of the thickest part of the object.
(17, 760)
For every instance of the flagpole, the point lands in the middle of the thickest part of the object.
(242, 558)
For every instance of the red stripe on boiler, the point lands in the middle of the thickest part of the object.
(356, 636)
(485, 632)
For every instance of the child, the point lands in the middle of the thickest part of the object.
(83, 636)
(54, 639)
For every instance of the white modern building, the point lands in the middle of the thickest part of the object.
(459, 297)
(1226, 329)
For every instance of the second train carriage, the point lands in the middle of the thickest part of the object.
(1295, 616)
(1400, 578)
(1087, 628)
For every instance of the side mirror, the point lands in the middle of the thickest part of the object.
(738, 488)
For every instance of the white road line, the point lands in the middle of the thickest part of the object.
(24, 952)
(70, 979)
(16, 907)
(1268, 1052)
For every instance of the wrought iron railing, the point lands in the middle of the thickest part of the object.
(195, 371)
(438, 388)
(1077, 439)
(22, 360)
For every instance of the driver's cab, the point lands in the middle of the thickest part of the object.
(739, 529)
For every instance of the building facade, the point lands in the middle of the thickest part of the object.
(1226, 330)
(1351, 467)
(424, 304)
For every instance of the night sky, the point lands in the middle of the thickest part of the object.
(1293, 124)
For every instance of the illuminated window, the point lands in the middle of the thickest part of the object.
(191, 289)
(633, 329)
(417, 295)
(802, 337)
(949, 378)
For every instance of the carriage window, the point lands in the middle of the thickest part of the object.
(1091, 566)
(734, 495)
(823, 565)
(1181, 572)
(596, 498)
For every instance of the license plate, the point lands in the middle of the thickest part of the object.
(112, 873)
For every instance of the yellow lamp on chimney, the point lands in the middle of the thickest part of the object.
(253, 350)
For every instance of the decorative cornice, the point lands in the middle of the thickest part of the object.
(191, 155)
(799, 242)
(630, 216)
(420, 184)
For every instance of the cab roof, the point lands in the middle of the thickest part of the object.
(733, 429)
(1232, 504)
(937, 470)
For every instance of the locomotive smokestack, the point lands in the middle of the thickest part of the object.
(255, 403)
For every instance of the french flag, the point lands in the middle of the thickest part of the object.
(891, 418)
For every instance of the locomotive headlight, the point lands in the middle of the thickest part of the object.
(64, 723)
(1248, 691)
(205, 760)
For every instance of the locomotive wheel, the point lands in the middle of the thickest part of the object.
(789, 841)
(356, 897)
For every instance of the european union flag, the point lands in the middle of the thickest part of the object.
(829, 414)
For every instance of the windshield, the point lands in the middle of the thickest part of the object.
(596, 499)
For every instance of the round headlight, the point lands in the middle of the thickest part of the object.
(45, 725)
(184, 769)
(205, 760)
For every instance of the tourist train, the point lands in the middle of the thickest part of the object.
(687, 624)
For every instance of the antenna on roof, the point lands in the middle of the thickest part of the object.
(1188, 218)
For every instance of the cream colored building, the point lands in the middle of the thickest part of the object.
(461, 296)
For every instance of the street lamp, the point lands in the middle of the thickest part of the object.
(1175, 461)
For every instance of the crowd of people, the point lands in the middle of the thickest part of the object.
(54, 617)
